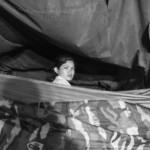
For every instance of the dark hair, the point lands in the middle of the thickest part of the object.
(63, 59)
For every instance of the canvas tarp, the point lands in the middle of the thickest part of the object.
(36, 115)
(113, 31)
(75, 119)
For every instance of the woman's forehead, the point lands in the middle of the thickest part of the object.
(68, 63)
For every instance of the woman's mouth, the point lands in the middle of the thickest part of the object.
(69, 76)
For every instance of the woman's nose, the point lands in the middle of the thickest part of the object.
(70, 71)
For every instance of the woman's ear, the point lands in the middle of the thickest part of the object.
(56, 70)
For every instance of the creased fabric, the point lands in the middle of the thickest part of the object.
(114, 31)
(90, 125)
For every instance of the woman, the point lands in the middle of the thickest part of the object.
(65, 70)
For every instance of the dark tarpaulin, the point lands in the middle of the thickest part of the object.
(114, 31)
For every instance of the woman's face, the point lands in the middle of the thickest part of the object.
(66, 70)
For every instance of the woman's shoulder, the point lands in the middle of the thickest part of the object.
(60, 80)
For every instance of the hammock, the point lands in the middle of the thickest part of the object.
(38, 115)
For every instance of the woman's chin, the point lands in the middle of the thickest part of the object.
(69, 79)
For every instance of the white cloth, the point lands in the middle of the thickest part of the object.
(61, 80)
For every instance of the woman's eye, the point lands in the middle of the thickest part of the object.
(65, 67)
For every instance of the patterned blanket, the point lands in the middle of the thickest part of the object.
(86, 125)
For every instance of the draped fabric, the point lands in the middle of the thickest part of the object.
(113, 31)
(45, 117)
(88, 125)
